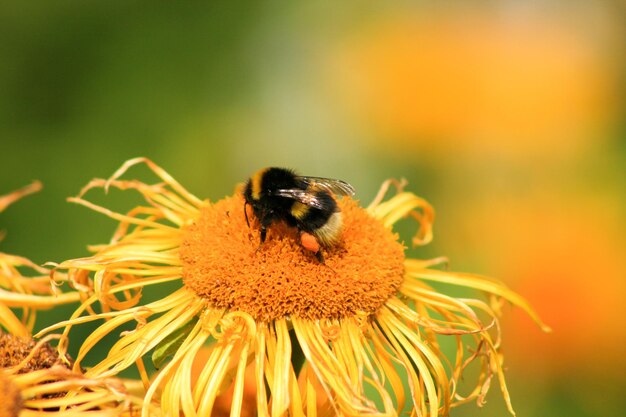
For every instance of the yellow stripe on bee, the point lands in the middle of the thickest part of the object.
(257, 179)
(299, 210)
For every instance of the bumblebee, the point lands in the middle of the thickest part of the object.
(308, 203)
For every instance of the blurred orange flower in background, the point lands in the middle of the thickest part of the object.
(567, 256)
(481, 80)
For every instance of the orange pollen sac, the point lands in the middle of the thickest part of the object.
(224, 262)
(309, 242)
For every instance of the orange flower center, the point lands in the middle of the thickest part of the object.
(14, 350)
(224, 263)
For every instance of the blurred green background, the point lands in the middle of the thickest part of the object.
(508, 116)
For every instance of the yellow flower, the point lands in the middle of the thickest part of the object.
(34, 381)
(367, 322)
(30, 293)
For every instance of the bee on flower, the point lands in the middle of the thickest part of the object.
(356, 332)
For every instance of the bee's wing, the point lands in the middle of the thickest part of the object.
(337, 187)
(303, 196)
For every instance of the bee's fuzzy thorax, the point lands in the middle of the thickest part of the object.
(255, 184)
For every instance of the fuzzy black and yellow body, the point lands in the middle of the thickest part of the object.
(308, 203)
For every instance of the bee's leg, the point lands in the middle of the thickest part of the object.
(264, 225)
(263, 234)
(264, 222)
(320, 256)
